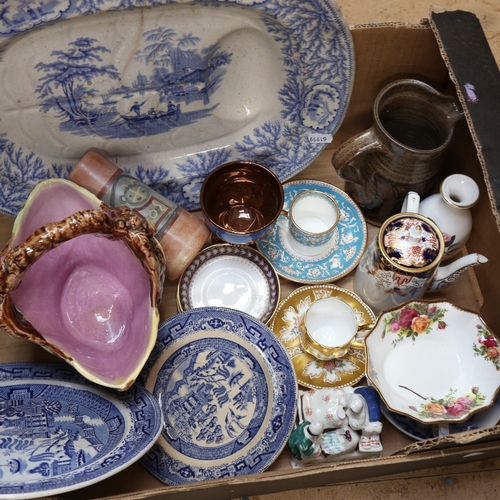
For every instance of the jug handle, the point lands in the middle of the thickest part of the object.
(360, 144)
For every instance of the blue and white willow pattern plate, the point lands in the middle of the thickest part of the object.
(168, 90)
(227, 390)
(337, 259)
(59, 432)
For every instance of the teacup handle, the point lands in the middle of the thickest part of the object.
(359, 342)
(360, 144)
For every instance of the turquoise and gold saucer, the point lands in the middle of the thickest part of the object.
(334, 259)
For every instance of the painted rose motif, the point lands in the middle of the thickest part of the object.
(450, 407)
(488, 346)
(330, 371)
(414, 320)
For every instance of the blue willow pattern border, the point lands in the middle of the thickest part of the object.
(281, 419)
(122, 444)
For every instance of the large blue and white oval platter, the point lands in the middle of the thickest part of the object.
(227, 390)
(168, 90)
(59, 432)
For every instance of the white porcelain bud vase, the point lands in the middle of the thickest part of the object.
(450, 210)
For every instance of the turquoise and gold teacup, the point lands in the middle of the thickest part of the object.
(313, 216)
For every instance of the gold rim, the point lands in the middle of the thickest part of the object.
(231, 247)
(374, 384)
(409, 270)
(345, 377)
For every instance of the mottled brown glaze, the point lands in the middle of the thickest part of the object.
(117, 224)
(181, 240)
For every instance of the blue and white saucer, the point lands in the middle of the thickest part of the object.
(328, 263)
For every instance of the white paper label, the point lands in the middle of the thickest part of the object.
(320, 138)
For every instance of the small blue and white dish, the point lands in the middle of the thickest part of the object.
(331, 261)
(227, 390)
(59, 432)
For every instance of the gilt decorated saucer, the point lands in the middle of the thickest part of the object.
(334, 259)
(311, 372)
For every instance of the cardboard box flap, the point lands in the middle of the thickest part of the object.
(452, 441)
(474, 71)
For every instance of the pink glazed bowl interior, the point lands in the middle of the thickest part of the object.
(90, 298)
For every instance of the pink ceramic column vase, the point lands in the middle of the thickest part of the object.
(450, 210)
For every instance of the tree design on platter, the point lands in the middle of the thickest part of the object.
(154, 103)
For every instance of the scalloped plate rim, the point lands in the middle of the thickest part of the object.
(183, 189)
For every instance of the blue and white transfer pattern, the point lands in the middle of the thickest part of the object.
(58, 432)
(158, 108)
(226, 387)
(337, 259)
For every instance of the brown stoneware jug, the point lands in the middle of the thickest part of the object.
(402, 151)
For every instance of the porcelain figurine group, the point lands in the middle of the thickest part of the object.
(335, 424)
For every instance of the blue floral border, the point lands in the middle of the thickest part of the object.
(319, 54)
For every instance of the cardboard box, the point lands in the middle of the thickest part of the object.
(445, 52)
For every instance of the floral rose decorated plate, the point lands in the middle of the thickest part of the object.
(417, 430)
(312, 372)
(433, 361)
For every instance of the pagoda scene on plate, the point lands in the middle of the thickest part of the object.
(182, 74)
(211, 397)
(111, 84)
(58, 432)
(225, 385)
(57, 436)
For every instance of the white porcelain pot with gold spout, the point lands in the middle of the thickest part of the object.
(403, 261)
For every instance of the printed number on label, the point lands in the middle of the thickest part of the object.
(320, 138)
